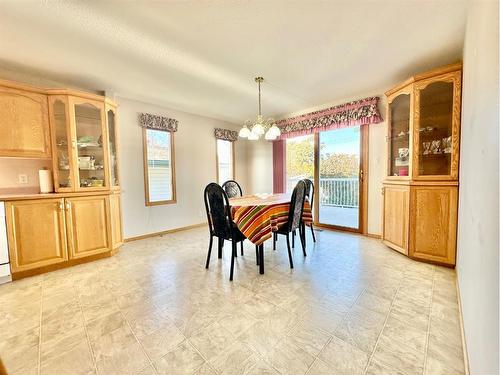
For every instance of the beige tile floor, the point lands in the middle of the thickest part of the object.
(351, 307)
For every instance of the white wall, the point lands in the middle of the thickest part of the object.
(194, 164)
(477, 263)
(260, 166)
(260, 162)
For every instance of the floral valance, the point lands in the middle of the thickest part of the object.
(359, 112)
(150, 121)
(226, 134)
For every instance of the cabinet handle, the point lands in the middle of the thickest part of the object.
(73, 144)
(383, 190)
(68, 206)
(61, 206)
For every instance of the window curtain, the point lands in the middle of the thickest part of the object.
(157, 122)
(279, 166)
(226, 134)
(359, 112)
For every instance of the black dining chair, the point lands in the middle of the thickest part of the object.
(310, 197)
(220, 222)
(294, 220)
(232, 189)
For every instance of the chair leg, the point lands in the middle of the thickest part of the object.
(293, 239)
(312, 232)
(302, 233)
(209, 251)
(275, 238)
(233, 255)
(221, 244)
(289, 249)
(241, 247)
(261, 259)
(257, 254)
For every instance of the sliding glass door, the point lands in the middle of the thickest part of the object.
(338, 185)
(334, 161)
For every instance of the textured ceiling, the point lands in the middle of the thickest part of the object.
(201, 56)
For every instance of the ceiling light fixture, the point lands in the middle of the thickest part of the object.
(259, 127)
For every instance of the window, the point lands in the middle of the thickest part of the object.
(225, 161)
(159, 166)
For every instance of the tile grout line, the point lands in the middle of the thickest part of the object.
(383, 327)
(316, 357)
(200, 354)
(40, 331)
(426, 349)
(332, 335)
(86, 333)
(138, 341)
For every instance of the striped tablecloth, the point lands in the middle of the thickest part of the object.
(257, 216)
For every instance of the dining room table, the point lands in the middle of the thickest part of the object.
(257, 216)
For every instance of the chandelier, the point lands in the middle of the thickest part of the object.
(259, 127)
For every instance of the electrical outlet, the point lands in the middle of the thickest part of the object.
(23, 178)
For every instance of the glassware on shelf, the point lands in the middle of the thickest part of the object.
(112, 147)
(90, 152)
(435, 126)
(446, 145)
(62, 162)
(399, 135)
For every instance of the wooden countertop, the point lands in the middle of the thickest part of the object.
(28, 196)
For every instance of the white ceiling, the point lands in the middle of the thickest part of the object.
(201, 56)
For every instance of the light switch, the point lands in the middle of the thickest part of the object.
(23, 178)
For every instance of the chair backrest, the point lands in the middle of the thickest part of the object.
(218, 210)
(296, 206)
(232, 189)
(309, 190)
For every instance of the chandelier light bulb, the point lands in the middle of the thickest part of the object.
(275, 130)
(244, 132)
(270, 136)
(258, 128)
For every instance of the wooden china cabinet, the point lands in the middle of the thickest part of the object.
(82, 219)
(420, 191)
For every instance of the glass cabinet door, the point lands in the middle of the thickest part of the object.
(399, 135)
(113, 157)
(434, 129)
(63, 171)
(90, 145)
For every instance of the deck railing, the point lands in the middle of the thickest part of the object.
(338, 192)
